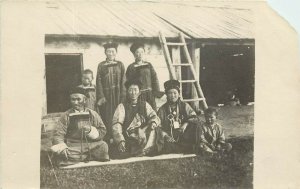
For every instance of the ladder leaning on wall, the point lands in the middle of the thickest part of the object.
(171, 67)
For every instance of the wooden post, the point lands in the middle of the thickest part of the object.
(195, 55)
(44, 92)
(177, 60)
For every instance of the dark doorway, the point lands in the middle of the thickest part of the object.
(227, 68)
(63, 72)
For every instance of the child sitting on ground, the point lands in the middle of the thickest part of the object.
(231, 99)
(90, 90)
(211, 137)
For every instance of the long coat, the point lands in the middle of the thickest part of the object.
(146, 74)
(110, 85)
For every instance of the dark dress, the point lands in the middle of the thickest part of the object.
(146, 74)
(110, 85)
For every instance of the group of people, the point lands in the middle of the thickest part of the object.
(117, 117)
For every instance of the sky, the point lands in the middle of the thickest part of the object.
(290, 10)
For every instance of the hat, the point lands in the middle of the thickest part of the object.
(110, 45)
(128, 83)
(135, 46)
(78, 90)
(172, 84)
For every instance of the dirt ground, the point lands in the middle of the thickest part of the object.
(232, 171)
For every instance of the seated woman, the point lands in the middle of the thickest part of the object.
(133, 125)
(178, 121)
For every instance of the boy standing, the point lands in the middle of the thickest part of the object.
(89, 88)
(212, 137)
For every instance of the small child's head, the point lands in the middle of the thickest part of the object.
(87, 77)
(211, 115)
(229, 94)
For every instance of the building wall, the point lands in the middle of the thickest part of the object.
(93, 52)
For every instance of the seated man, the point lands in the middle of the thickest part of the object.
(133, 125)
(178, 121)
(79, 133)
(211, 137)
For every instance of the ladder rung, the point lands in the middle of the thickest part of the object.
(187, 64)
(193, 99)
(175, 44)
(166, 51)
(187, 81)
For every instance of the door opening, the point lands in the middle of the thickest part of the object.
(227, 68)
(63, 72)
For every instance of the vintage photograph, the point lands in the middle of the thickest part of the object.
(148, 94)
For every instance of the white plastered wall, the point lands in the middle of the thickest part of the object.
(93, 53)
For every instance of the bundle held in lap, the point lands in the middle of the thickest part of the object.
(81, 143)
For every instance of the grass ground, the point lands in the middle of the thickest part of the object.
(232, 171)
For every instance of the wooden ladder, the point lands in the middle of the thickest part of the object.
(174, 66)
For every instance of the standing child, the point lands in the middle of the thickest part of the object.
(211, 136)
(90, 90)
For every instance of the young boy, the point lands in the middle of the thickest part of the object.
(211, 137)
(90, 90)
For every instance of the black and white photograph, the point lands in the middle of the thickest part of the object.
(140, 95)
(148, 94)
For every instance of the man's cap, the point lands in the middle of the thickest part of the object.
(110, 45)
(172, 84)
(78, 90)
(135, 46)
(137, 82)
